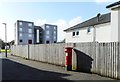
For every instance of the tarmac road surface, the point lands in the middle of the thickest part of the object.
(16, 68)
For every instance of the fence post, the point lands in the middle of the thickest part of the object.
(118, 61)
(97, 54)
(74, 59)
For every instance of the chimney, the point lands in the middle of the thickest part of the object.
(98, 17)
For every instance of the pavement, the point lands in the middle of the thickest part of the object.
(16, 68)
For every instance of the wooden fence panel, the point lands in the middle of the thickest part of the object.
(118, 67)
(50, 53)
(100, 58)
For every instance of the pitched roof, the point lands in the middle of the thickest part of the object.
(105, 18)
(114, 4)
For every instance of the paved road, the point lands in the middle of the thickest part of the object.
(15, 68)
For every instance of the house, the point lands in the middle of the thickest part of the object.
(49, 33)
(101, 28)
(27, 33)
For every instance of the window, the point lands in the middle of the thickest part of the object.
(30, 24)
(47, 27)
(29, 41)
(54, 41)
(30, 35)
(47, 42)
(47, 36)
(73, 33)
(54, 37)
(54, 32)
(47, 32)
(20, 23)
(29, 30)
(20, 34)
(88, 30)
(20, 40)
(77, 33)
(20, 29)
(54, 28)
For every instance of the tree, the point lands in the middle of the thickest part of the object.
(2, 44)
(12, 42)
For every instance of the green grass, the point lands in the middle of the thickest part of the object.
(3, 50)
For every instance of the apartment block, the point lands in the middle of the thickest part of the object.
(24, 32)
(49, 33)
(27, 33)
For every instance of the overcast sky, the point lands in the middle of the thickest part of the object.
(62, 13)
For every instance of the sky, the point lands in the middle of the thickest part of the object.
(62, 13)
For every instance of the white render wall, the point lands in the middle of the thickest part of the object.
(119, 25)
(103, 32)
(114, 25)
(82, 37)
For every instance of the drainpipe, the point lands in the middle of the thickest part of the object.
(94, 36)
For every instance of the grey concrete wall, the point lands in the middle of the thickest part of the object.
(100, 58)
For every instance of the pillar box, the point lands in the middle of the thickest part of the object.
(68, 58)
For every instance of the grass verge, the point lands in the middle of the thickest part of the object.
(3, 50)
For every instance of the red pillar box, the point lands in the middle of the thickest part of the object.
(68, 58)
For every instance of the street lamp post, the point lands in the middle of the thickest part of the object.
(5, 39)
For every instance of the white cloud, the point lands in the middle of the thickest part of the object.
(40, 22)
(10, 30)
(2, 31)
(62, 25)
(75, 21)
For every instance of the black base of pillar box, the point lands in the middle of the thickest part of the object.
(68, 68)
